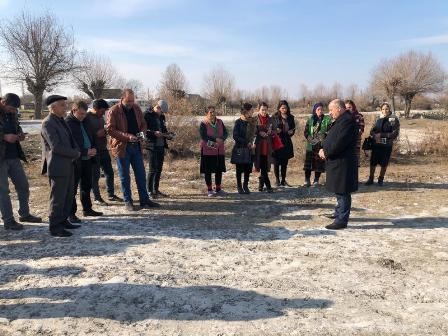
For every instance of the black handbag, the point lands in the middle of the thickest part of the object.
(240, 155)
(368, 143)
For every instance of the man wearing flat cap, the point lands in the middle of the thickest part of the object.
(59, 151)
(11, 154)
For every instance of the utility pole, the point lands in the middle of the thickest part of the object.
(23, 90)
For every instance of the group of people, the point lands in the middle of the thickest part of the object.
(333, 145)
(77, 146)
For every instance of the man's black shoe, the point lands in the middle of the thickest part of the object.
(30, 219)
(114, 198)
(336, 226)
(60, 233)
(161, 194)
(241, 191)
(73, 219)
(246, 190)
(13, 226)
(149, 204)
(67, 225)
(92, 213)
(130, 207)
(100, 201)
(369, 181)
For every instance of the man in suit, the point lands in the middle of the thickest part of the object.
(339, 150)
(11, 154)
(59, 151)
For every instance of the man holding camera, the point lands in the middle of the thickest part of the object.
(10, 166)
(156, 142)
(124, 122)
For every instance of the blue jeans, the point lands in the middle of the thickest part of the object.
(342, 210)
(133, 158)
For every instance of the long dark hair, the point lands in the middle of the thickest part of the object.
(280, 104)
(352, 103)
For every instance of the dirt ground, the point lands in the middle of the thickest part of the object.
(261, 264)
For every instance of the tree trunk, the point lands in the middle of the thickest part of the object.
(407, 106)
(393, 104)
(38, 97)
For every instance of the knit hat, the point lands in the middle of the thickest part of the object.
(163, 105)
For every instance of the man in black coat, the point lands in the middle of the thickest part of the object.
(83, 165)
(339, 150)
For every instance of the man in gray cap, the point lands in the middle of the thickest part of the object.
(59, 151)
(156, 142)
(10, 166)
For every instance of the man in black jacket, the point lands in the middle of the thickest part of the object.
(11, 154)
(157, 135)
(83, 165)
(339, 150)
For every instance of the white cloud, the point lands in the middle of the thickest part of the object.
(136, 47)
(120, 9)
(429, 40)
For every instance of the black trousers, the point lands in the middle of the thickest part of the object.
(243, 169)
(280, 166)
(102, 161)
(264, 173)
(61, 199)
(83, 179)
(208, 179)
(155, 165)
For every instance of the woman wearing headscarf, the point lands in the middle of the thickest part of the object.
(384, 132)
(244, 136)
(285, 127)
(316, 129)
(350, 106)
(213, 134)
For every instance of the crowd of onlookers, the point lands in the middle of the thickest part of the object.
(78, 145)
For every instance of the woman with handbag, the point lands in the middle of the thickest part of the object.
(316, 129)
(384, 132)
(285, 127)
(263, 146)
(244, 136)
(213, 134)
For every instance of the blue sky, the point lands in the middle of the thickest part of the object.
(261, 42)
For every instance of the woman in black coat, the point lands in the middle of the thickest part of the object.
(244, 136)
(384, 132)
(285, 126)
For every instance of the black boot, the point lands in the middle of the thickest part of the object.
(238, 183)
(268, 186)
(260, 183)
(369, 181)
(380, 181)
(246, 184)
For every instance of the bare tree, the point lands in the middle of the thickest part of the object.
(409, 74)
(351, 91)
(218, 85)
(386, 80)
(95, 74)
(41, 53)
(136, 86)
(336, 90)
(421, 73)
(276, 95)
(173, 85)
